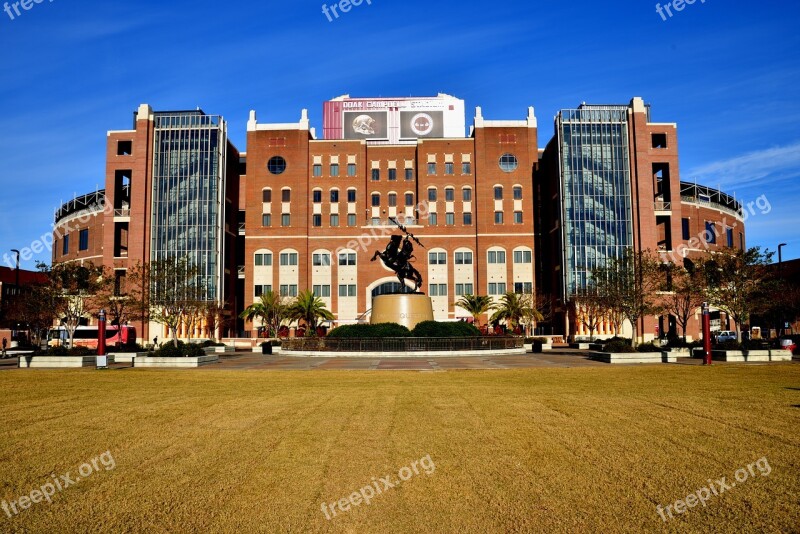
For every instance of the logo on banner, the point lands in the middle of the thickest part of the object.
(422, 124)
(363, 125)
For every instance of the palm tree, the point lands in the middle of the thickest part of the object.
(476, 305)
(515, 309)
(270, 309)
(309, 308)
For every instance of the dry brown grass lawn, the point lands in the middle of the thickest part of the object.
(567, 450)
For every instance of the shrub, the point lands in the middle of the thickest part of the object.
(618, 345)
(728, 345)
(211, 343)
(542, 340)
(648, 347)
(369, 331)
(445, 329)
(168, 350)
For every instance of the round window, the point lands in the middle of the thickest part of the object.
(276, 165)
(508, 162)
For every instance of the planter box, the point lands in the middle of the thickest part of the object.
(58, 362)
(581, 346)
(545, 346)
(218, 350)
(126, 357)
(633, 357)
(766, 355)
(680, 352)
(276, 349)
(160, 361)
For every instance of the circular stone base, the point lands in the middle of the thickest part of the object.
(407, 309)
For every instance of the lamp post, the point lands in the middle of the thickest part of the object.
(706, 335)
(780, 277)
(102, 359)
(16, 272)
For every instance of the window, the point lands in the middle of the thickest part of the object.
(286, 219)
(409, 199)
(437, 258)
(433, 219)
(322, 291)
(321, 260)
(438, 290)
(266, 195)
(466, 194)
(448, 168)
(497, 256)
(276, 165)
(286, 195)
(261, 289)
(432, 194)
(498, 217)
(83, 239)
(334, 169)
(685, 227)
(522, 256)
(351, 219)
(351, 169)
(347, 290)
(729, 235)
(498, 192)
(463, 289)
(659, 140)
(376, 175)
(334, 195)
(517, 192)
(316, 220)
(263, 260)
(317, 195)
(466, 168)
(741, 241)
(523, 287)
(392, 198)
(449, 194)
(266, 220)
(449, 219)
(409, 173)
(711, 232)
(497, 288)
(351, 195)
(463, 258)
(65, 246)
(376, 200)
(124, 148)
(334, 220)
(517, 217)
(467, 218)
(392, 175)
(317, 170)
(431, 168)
(375, 221)
(508, 163)
(288, 258)
(347, 258)
(288, 290)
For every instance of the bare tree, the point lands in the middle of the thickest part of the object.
(75, 286)
(684, 291)
(174, 287)
(589, 310)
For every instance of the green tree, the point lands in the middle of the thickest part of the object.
(309, 308)
(270, 309)
(515, 309)
(476, 305)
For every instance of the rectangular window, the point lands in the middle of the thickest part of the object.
(466, 168)
(83, 239)
(266, 220)
(317, 170)
(437, 258)
(741, 241)
(449, 219)
(351, 195)
(517, 193)
(449, 194)
(448, 168)
(376, 200)
(334, 220)
(492, 288)
(334, 169)
(316, 196)
(351, 219)
(351, 169)
(392, 198)
(522, 256)
(286, 219)
(466, 194)
(288, 258)
(347, 290)
(498, 217)
(498, 192)
(433, 219)
(392, 175)
(263, 259)
(261, 289)
(463, 289)
(685, 227)
(438, 290)
(124, 148)
(347, 258)
(321, 260)
(375, 221)
(334, 195)
(517, 217)
(659, 140)
(497, 256)
(322, 290)
(409, 199)
(286, 195)
(266, 195)
(432, 194)
(409, 173)
(431, 168)
(65, 246)
(729, 235)
(463, 258)
(523, 288)
(376, 175)
(711, 232)
(467, 218)
(316, 220)
(289, 290)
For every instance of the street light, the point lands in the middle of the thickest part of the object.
(780, 277)
(16, 271)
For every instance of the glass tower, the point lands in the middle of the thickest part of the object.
(188, 194)
(594, 166)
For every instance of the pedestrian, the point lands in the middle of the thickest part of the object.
(155, 341)
(5, 344)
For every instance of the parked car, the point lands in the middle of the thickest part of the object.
(726, 335)
(788, 344)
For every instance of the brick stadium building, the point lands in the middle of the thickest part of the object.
(494, 212)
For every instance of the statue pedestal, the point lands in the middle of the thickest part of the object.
(406, 309)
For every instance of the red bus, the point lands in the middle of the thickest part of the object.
(86, 336)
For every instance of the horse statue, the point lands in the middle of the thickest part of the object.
(397, 256)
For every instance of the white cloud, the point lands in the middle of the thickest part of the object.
(778, 163)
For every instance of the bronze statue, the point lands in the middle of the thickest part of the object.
(397, 256)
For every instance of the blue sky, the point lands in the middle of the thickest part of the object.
(727, 72)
